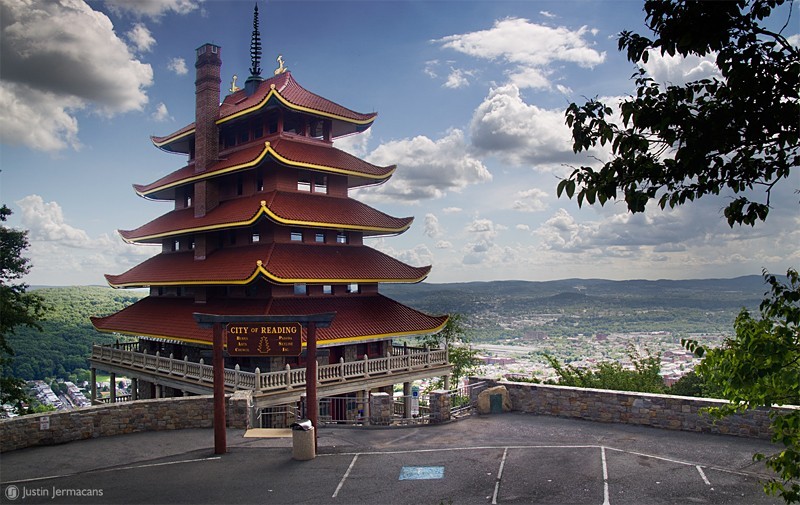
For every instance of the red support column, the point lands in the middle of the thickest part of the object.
(311, 377)
(220, 443)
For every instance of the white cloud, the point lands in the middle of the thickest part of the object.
(794, 40)
(430, 68)
(677, 70)
(141, 38)
(457, 79)
(161, 113)
(530, 61)
(86, 64)
(530, 200)
(357, 145)
(444, 244)
(426, 168)
(178, 65)
(547, 14)
(41, 121)
(432, 227)
(452, 210)
(151, 8)
(62, 252)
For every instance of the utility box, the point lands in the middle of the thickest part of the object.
(495, 404)
(303, 442)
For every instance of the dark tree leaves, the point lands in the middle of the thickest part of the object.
(677, 143)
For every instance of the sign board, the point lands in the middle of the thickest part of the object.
(264, 339)
(414, 401)
(44, 423)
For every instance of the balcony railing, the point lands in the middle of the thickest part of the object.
(127, 357)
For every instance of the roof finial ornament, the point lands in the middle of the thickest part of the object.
(255, 46)
(281, 67)
(234, 88)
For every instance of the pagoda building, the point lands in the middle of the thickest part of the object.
(263, 225)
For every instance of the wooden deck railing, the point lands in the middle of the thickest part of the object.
(288, 378)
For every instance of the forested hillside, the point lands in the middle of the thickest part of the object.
(64, 344)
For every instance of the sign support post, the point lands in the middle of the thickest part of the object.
(215, 321)
(220, 441)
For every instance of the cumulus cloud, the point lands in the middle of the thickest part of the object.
(427, 168)
(69, 56)
(444, 244)
(153, 9)
(62, 252)
(357, 145)
(161, 113)
(457, 79)
(432, 227)
(677, 70)
(530, 200)
(178, 65)
(530, 62)
(452, 210)
(547, 14)
(141, 38)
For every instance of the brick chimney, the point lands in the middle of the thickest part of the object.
(206, 137)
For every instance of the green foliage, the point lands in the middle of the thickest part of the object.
(694, 384)
(680, 143)
(645, 376)
(459, 352)
(64, 344)
(760, 367)
(18, 309)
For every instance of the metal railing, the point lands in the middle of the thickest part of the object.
(288, 378)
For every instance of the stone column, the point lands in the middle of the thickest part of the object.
(381, 408)
(158, 391)
(93, 378)
(440, 405)
(112, 387)
(366, 399)
(134, 389)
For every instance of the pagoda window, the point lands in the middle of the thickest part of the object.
(258, 131)
(255, 238)
(341, 238)
(327, 289)
(303, 181)
(176, 245)
(260, 182)
(232, 237)
(320, 183)
(161, 291)
(352, 288)
(229, 140)
(300, 289)
(191, 245)
(296, 236)
(319, 238)
(251, 290)
(179, 291)
(244, 136)
(239, 185)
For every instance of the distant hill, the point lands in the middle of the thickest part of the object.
(64, 344)
(490, 308)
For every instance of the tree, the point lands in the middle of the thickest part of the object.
(17, 307)
(645, 376)
(760, 367)
(681, 143)
(678, 143)
(459, 351)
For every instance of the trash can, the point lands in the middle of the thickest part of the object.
(303, 443)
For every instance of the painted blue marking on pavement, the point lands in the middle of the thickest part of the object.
(421, 472)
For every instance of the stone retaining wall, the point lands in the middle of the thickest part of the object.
(120, 418)
(659, 411)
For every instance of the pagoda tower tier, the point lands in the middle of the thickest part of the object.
(262, 223)
(358, 319)
(286, 208)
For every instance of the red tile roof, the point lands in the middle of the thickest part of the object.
(357, 317)
(298, 153)
(287, 208)
(285, 90)
(280, 263)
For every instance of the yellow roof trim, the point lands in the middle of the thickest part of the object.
(268, 149)
(321, 342)
(264, 210)
(173, 139)
(261, 270)
(274, 92)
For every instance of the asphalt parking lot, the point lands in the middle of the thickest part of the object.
(509, 458)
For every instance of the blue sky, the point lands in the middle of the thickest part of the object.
(470, 98)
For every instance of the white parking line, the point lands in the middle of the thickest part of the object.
(702, 474)
(499, 477)
(341, 482)
(605, 476)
